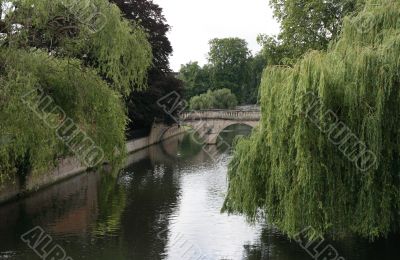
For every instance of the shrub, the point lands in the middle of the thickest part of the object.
(218, 99)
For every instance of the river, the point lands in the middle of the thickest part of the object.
(164, 205)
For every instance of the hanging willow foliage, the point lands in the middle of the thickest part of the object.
(83, 55)
(292, 172)
(91, 30)
(80, 93)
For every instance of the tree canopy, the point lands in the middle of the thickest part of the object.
(197, 79)
(142, 105)
(305, 25)
(218, 99)
(150, 16)
(306, 165)
(231, 65)
(74, 63)
(119, 51)
(228, 58)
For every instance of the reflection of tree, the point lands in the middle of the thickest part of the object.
(254, 252)
(111, 204)
(179, 150)
(231, 133)
(153, 196)
(189, 147)
(274, 245)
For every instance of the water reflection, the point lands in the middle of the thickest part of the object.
(164, 205)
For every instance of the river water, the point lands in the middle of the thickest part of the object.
(164, 205)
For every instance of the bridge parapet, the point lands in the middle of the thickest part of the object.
(209, 123)
(252, 115)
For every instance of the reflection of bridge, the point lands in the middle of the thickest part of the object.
(210, 123)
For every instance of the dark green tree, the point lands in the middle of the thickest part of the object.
(230, 65)
(256, 65)
(275, 52)
(196, 79)
(150, 16)
(142, 105)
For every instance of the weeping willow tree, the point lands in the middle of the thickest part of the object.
(296, 172)
(85, 60)
(82, 96)
(91, 30)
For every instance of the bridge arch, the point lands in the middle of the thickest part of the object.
(210, 123)
(251, 124)
(219, 127)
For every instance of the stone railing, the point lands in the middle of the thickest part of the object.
(237, 115)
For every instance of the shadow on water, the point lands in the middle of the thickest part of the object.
(164, 205)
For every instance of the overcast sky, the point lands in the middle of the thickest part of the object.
(195, 22)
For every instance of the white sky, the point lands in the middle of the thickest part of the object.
(195, 22)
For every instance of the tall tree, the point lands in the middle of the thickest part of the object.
(2, 24)
(228, 58)
(61, 69)
(118, 50)
(306, 25)
(231, 66)
(150, 16)
(256, 65)
(326, 154)
(142, 106)
(197, 79)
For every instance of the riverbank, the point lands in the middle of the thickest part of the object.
(71, 167)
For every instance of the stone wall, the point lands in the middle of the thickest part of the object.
(70, 167)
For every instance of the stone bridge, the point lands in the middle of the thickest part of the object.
(210, 123)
